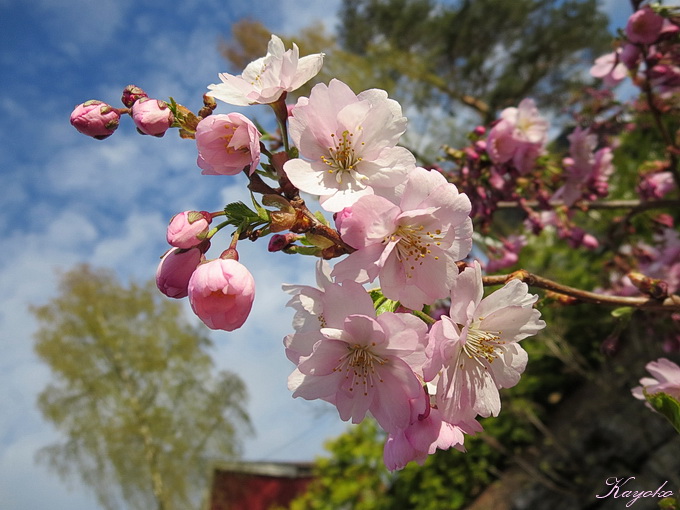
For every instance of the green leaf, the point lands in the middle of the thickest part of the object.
(668, 504)
(376, 294)
(381, 303)
(262, 213)
(666, 405)
(623, 311)
(239, 210)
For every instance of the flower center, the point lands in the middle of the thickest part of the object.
(227, 140)
(359, 365)
(482, 344)
(342, 157)
(413, 245)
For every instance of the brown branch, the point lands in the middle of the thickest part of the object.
(634, 205)
(670, 304)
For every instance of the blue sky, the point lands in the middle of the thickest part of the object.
(67, 199)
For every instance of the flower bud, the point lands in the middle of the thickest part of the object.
(279, 242)
(221, 293)
(152, 116)
(131, 94)
(95, 118)
(644, 26)
(188, 229)
(175, 270)
(227, 144)
(653, 287)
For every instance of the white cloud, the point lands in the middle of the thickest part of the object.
(67, 199)
(77, 25)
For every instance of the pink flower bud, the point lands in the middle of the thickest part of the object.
(227, 144)
(95, 118)
(341, 216)
(221, 293)
(479, 131)
(279, 242)
(131, 94)
(644, 26)
(175, 270)
(630, 56)
(188, 229)
(152, 116)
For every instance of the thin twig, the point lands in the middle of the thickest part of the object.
(670, 304)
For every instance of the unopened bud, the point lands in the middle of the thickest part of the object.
(95, 118)
(653, 287)
(280, 242)
(131, 94)
(229, 254)
(152, 116)
(188, 229)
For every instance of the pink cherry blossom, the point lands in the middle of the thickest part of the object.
(317, 307)
(475, 350)
(95, 118)
(363, 367)
(610, 69)
(666, 379)
(412, 247)
(266, 79)
(644, 26)
(221, 293)
(423, 437)
(519, 136)
(506, 255)
(152, 116)
(188, 229)
(347, 144)
(656, 185)
(227, 144)
(587, 171)
(175, 270)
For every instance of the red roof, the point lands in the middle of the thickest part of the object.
(258, 485)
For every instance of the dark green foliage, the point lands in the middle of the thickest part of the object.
(134, 393)
(485, 54)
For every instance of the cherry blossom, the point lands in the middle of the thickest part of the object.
(266, 79)
(412, 247)
(644, 26)
(475, 349)
(656, 185)
(422, 438)
(610, 69)
(519, 136)
(317, 307)
(227, 144)
(587, 171)
(666, 379)
(367, 364)
(347, 144)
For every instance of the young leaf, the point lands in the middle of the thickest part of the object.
(666, 405)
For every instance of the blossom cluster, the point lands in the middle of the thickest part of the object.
(403, 231)
(425, 382)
